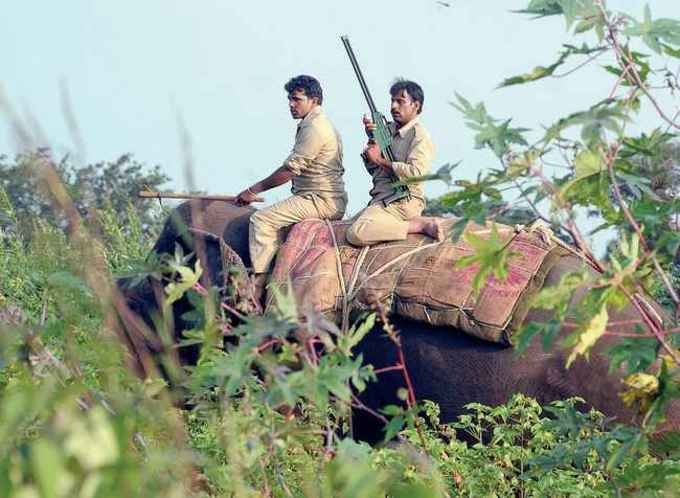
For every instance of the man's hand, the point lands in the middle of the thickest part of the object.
(374, 156)
(246, 197)
(369, 126)
(372, 153)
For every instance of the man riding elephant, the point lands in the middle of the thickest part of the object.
(389, 217)
(314, 167)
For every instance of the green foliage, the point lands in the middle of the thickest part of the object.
(540, 72)
(654, 32)
(443, 174)
(542, 8)
(606, 115)
(589, 334)
(628, 181)
(490, 133)
(490, 255)
(586, 12)
(514, 449)
(74, 421)
(638, 354)
(111, 185)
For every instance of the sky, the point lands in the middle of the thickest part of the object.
(137, 73)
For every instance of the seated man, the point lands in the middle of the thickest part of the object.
(315, 168)
(386, 218)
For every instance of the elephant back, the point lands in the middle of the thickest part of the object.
(220, 219)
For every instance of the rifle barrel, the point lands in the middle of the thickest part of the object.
(387, 151)
(360, 76)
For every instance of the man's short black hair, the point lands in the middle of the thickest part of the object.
(411, 87)
(309, 84)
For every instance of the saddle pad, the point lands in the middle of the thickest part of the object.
(415, 278)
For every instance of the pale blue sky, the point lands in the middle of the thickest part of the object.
(132, 66)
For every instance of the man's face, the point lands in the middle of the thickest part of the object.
(299, 104)
(404, 108)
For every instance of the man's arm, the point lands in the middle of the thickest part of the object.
(418, 162)
(308, 143)
(280, 176)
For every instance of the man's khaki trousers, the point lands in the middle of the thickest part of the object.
(268, 225)
(379, 223)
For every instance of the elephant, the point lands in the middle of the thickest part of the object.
(446, 365)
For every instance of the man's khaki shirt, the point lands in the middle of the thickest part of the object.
(413, 152)
(316, 158)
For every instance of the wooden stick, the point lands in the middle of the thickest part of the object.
(148, 194)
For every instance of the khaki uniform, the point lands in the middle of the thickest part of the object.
(413, 153)
(318, 188)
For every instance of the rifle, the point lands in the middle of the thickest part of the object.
(148, 194)
(381, 135)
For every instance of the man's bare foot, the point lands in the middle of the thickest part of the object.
(431, 227)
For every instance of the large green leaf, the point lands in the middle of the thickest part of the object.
(540, 72)
(586, 164)
(187, 279)
(585, 11)
(92, 440)
(653, 32)
(490, 254)
(347, 341)
(491, 132)
(49, 468)
(443, 174)
(640, 65)
(549, 332)
(589, 335)
(668, 50)
(542, 8)
(606, 115)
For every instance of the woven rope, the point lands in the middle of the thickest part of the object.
(391, 263)
(349, 293)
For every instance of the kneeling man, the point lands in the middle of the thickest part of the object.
(386, 218)
(315, 168)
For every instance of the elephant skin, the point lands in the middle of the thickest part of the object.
(446, 365)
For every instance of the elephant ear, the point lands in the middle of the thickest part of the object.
(238, 288)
